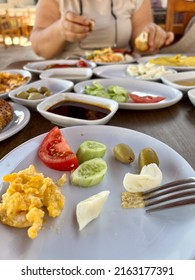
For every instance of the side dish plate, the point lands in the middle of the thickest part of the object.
(142, 88)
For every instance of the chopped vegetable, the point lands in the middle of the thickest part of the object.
(56, 153)
(116, 93)
(146, 98)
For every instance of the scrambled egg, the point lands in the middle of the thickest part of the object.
(177, 60)
(10, 81)
(29, 192)
(105, 55)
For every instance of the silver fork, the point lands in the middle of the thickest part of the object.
(173, 194)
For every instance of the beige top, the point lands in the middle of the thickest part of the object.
(112, 22)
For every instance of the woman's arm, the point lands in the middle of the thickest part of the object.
(51, 31)
(143, 22)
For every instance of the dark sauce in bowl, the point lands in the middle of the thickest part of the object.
(79, 110)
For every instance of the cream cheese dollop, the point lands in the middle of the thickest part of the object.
(149, 177)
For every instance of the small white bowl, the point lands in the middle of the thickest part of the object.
(73, 74)
(191, 95)
(39, 66)
(172, 80)
(24, 73)
(54, 85)
(64, 121)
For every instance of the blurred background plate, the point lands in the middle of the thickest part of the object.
(145, 59)
(73, 74)
(40, 66)
(139, 87)
(139, 71)
(24, 73)
(182, 80)
(53, 85)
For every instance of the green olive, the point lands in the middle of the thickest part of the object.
(35, 95)
(123, 153)
(32, 89)
(22, 94)
(47, 93)
(43, 89)
(147, 156)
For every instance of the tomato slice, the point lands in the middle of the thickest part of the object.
(82, 63)
(146, 98)
(55, 152)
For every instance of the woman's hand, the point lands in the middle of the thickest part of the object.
(74, 27)
(157, 37)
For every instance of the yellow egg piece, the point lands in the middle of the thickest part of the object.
(90, 208)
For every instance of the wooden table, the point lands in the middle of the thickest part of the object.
(175, 126)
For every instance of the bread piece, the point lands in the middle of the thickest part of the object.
(91, 25)
(141, 42)
(6, 113)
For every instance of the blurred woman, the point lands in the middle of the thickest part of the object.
(65, 26)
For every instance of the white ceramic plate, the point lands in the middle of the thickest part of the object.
(120, 71)
(191, 95)
(171, 80)
(73, 74)
(24, 73)
(117, 233)
(127, 58)
(20, 119)
(146, 59)
(39, 66)
(54, 85)
(64, 121)
(138, 87)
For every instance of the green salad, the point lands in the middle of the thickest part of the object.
(116, 93)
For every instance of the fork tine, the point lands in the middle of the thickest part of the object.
(169, 190)
(170, 195)
(150, 202)
(171, 205)
(171, 184)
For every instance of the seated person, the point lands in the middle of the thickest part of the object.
(64, 26)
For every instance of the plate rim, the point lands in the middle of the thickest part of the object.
(8, 133)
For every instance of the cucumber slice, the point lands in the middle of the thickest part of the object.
(89, 150)
(89, 173)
